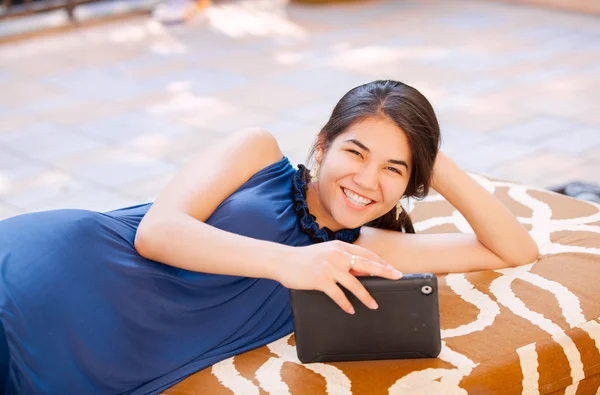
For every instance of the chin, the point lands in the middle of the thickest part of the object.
(349, 224)
(349, 220)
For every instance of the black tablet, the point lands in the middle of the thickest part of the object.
(406, 324)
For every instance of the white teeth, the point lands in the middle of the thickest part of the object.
(356, 199)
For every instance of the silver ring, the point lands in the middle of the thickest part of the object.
(352, 261)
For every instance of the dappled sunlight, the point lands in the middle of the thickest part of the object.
(187, 102)
(37, 187)
(190, 109)
(5, 183)
(136, 33)
(253, 18)
(357, 59)
(289, 58)
(155, 143)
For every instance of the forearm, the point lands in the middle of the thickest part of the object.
(180, 240)
(493, 223)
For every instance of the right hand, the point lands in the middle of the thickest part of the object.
(323, 266)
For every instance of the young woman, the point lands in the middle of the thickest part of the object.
(134, 300)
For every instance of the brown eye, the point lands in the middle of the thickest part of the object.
(355, 152)
(395, 170)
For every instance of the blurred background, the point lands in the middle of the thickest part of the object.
(101, 103)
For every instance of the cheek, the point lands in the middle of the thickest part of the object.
(394, 192)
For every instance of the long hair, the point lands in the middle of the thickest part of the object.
(411, 112)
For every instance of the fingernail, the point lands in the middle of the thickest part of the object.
(373, 305)
(397, 273)
(351, 310)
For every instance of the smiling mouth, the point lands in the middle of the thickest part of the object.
(355, 199)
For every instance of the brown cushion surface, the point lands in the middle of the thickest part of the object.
(533, 329)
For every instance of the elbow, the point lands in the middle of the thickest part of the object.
(145, 240)
(528, 254)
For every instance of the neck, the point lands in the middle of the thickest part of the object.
(316, 208)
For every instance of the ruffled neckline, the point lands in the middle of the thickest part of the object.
(308, 222)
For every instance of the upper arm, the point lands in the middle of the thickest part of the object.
(214, 174)
(430, 253)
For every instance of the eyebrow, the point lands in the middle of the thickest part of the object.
(364, 147)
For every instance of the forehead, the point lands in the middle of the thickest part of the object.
(383, 138)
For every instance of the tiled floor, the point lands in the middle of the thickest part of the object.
(102, 117)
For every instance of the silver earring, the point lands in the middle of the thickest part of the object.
(398, 210)
(314, 173)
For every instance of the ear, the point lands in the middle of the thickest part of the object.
(319, 152)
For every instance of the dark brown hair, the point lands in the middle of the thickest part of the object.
(412, 112)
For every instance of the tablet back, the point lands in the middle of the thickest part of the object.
(406, 324)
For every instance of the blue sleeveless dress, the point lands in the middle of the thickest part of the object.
(81, 312)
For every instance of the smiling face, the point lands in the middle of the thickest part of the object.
(363, 174)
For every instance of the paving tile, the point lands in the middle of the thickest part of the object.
(146, 190)
(258, 65)
(26, 192)
(5, 76)
(455, 139)
(128, 128)
(99, 85)
(483, 157)
(535, 168)
(179, 149)
(315, 112)
(573, 141)
(35, 127)
(329, 83)
(144, 61)
(515, 90)
(473, 21)
(7, 211)
(293, 135)
(224, 122)
(141, 103)
(583, 172)
(49, 142)
(112, 167)
(480, 114)
(97, 200)
(590, 117)
(10, 160)
(17, 92)
(413, 65)
(24, 67)
(12, 175)
(206, 113)
(536, 128)
(82, 111)
(592, 154)
(40, 105)
(475, 86)
(201, 82)
(266, 97)
(100, 54)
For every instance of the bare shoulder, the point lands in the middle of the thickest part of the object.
(259, 146)
(216, 172)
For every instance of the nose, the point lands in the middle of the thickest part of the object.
(367, 178)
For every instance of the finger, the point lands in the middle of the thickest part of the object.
(375, 269)
(358, 274)
(352, 284)
(338, 296)
(363, 252)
